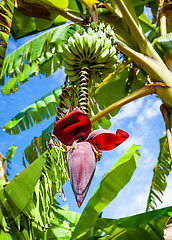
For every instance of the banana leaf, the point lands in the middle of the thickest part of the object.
(6, 15)
(31, 17)
(30, 195)
(35, 113)
(43, 54)
(161, 172)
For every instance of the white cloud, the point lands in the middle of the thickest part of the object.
(130, 110)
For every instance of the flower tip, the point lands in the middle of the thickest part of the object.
(79, 204)
(122, 134)
(80, 198)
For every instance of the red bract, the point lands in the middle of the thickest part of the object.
(106, 140)
(82, 156)
(73, 126)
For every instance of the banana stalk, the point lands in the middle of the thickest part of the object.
(142, 92)
(157, 71)
(83, 89)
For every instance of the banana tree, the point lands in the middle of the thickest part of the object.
(88, 48)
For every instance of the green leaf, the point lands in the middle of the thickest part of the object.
(163, 44)
(145, 23)
(53, 3)
(6, 14)
(38, 146)
(15, 196)
(143, 226)
(161, 171)
(5, 236)
(30, 195)
(11, 152)
(43, 54)
(108, 189)
(40, 16)
(117, 87)
(9, 156)
(52, 178)
(35, 113)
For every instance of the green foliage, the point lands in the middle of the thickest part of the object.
(163, 45)
(118, 86)
(26, 202)
(38, 145)
(31, 17)
(6, 15)
(35, 113)
(107, 190)
(161, 171)
(42, 54)
(30, 195)
(143, 226)
(9, 156)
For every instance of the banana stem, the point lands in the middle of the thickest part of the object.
(156, 69)
(83, 89)
(163, 21)
(133, 23)
(146, 90)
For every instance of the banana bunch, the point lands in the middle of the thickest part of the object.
(93, 48)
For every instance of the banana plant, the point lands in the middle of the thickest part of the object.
(87, 67)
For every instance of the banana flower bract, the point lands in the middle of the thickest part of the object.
(75, 130)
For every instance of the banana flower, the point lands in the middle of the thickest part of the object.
(84, 148)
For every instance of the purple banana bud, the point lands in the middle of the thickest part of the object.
(81, 164)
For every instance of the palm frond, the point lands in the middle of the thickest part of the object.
(161, 171)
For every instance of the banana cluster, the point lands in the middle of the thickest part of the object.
(93, 48)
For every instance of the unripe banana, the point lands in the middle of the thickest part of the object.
(104, 56)
(69, 66)
(72, 47)
(68, 53)
(71, 72)
(92, 48)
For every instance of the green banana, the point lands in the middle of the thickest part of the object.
(72, 47)
(71, 72)
(79, 43)
(103, 57)
(98, 48)
(111, 62)
(70, 61)
(112, 52)
(90, 31)
(93, 46)
(85, 43)
(109, 70)
(69, 66)
(74, 78)
(68, 53)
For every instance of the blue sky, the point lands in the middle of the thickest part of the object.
(141, 119)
